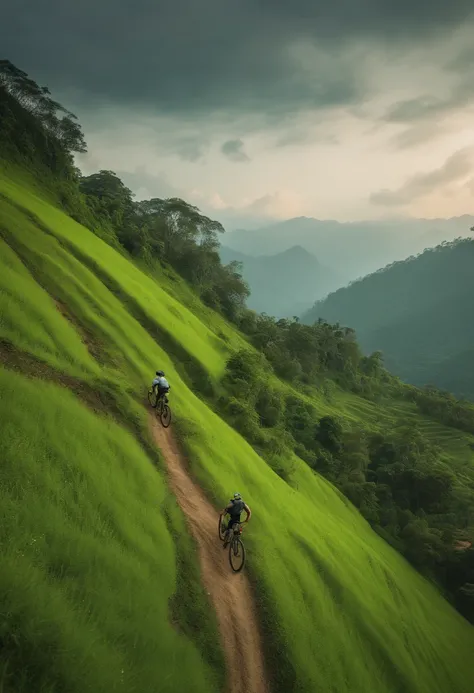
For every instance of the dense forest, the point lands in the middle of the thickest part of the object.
(402, 484)
(418, 313)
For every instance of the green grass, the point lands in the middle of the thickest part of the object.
(88, 561)
(41, 330)
(341, 610)
(208, 349)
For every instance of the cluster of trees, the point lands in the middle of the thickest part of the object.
(172, 232)
(310, 353)
(398, 479)
(34, 126)
(444, 407)
(43, 135)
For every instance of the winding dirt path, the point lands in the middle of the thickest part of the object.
(230, 593)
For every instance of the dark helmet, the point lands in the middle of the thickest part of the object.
(237, 496)
(160, 374)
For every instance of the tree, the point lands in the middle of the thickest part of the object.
(37, 101)
(106, 187)
(372, 365)
(329, 434)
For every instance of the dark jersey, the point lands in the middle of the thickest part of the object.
(236, 508)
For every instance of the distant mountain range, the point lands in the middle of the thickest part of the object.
(352, 249)
(284, 284)
(419, 313)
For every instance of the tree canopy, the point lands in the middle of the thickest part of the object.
(56, 121)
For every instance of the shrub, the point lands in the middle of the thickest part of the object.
(245, 371)
(243, 417)
(269, 406)
(329, 434)
(308, 456)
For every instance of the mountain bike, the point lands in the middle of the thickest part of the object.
(233, 539)
(161, 405)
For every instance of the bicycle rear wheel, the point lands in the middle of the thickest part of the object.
(236, 555)
(165, 415)
(152, 398)
(222, 529)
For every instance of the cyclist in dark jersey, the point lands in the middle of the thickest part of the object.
(235, 508)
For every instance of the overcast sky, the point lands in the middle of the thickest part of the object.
(266, 109)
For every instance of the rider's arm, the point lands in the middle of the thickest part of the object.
(248, 511)
(226, 509)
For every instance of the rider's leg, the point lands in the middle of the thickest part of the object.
(162, 392)
(231, 524)
(229, 528)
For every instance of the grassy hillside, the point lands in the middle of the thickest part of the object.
(417, 312)
(100, 587)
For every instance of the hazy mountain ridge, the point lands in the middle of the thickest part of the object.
(418, 312)
(286, 283)
(354, 249)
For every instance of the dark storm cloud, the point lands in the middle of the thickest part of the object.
(234, 150)
(455, 169)
(427, 109)
(188, 57)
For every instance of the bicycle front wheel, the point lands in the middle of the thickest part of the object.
(236, 555)
(165, 415)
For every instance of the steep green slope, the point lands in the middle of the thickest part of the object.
(341, 611)
(88, 557)
(418, 312)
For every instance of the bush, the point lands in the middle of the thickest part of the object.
(308, 456)
(326, 464)
(329, 434)
(269, 407)
(244, 372)
(242, 416)
(283, 465)
(300, 421)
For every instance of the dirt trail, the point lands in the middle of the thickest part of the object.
(230, 593)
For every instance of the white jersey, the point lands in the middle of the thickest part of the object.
(161, 382)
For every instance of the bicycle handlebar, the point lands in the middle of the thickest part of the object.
(238, 523)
